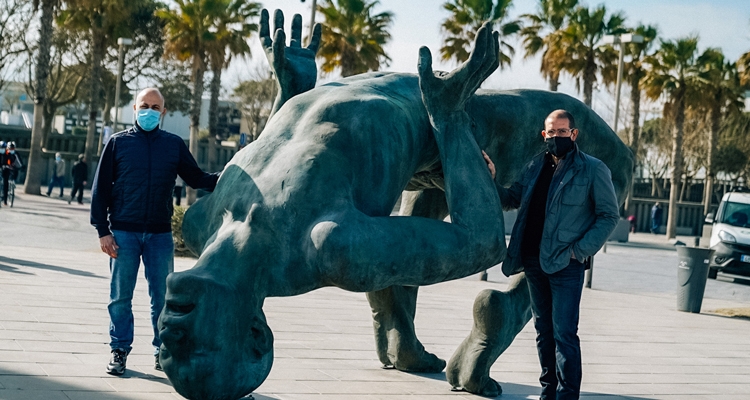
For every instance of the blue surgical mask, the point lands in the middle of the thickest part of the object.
(148, 119)
(12, 152)
(58, 158)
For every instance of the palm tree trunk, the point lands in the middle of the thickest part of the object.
(589, 76)
(674, 191)
(199, 67)
(713, 135)
(97, 55)
(554, 81)
(635, 130)
(35, 168)
(213, 114)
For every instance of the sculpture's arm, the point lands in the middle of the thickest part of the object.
(510, 197)
(293, 66)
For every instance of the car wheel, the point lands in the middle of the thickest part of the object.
(712, 272)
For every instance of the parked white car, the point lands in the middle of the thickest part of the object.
(730, 236)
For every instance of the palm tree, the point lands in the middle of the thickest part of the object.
(543, 34)
(190, 30)
(743, 66)
(232, 31)
(353, 36)
(580, 45)
(36, 169)
(634, 70)
(722, 95)
(467, 16)
(674, 73)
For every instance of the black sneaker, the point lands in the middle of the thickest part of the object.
(116, 365)
(157, 363)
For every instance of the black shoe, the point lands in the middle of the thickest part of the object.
(157, 363)
(70, 200)
(116, 365)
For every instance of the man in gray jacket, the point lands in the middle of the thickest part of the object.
(567, 210)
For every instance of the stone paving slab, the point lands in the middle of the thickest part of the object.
(53, 329)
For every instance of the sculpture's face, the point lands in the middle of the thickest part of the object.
(214, 346)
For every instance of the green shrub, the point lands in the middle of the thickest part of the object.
(180, 249)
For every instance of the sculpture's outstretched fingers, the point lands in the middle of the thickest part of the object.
(296, 31)
(498, 318)
(265, 32)
(279, 45)
(315, 39)
(293, 66)
(278, 20)
(444, 93)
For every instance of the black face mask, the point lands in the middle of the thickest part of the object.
(559, 146)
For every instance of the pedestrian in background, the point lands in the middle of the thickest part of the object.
(656, 214)
(58, 175)
(178, 185)
(80, 173)
(10, 163)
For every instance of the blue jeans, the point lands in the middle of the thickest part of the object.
(56, 181)
(157, 252)
(555, 304)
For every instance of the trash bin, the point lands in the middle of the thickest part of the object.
(692, 272)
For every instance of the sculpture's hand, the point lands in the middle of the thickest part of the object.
(293, 65)
(444, 93)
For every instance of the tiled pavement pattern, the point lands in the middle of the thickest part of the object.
(53, 329)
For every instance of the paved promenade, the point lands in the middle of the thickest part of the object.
(54, 341)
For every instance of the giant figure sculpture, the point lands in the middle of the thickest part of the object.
(308, 205)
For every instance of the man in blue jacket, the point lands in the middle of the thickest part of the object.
(567, 209)
(131, 208)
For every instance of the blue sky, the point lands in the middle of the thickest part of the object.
(718, 23)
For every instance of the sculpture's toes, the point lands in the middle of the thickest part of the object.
(423, 362)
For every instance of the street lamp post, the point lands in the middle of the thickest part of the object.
(621, 40)
(312, 20)
(120, 61)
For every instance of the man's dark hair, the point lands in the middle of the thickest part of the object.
(569, 117)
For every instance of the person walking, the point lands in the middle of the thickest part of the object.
(656, 215)
(58, 175)
(10, 162)
(567, 210)
(131, 208)
(80, 173)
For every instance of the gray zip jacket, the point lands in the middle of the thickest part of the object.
(582, 211)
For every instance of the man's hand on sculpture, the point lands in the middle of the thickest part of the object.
(108, 245)
(490, 164)
(444, 93)
(293, 65)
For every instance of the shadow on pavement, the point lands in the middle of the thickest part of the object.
(34, 264)
(15, 385)
(12, 269)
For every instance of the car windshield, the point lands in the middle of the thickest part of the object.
(736, 214)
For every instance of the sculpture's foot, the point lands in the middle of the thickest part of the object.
(491, 389)
(393, 311)
(498, 317)
(420, 362)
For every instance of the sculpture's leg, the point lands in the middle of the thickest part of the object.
(498, 318)
(394, 308)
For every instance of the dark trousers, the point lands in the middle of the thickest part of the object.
(555, 304)
(7, 176)
(77, 188)
(177, 195)
(56, 181)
